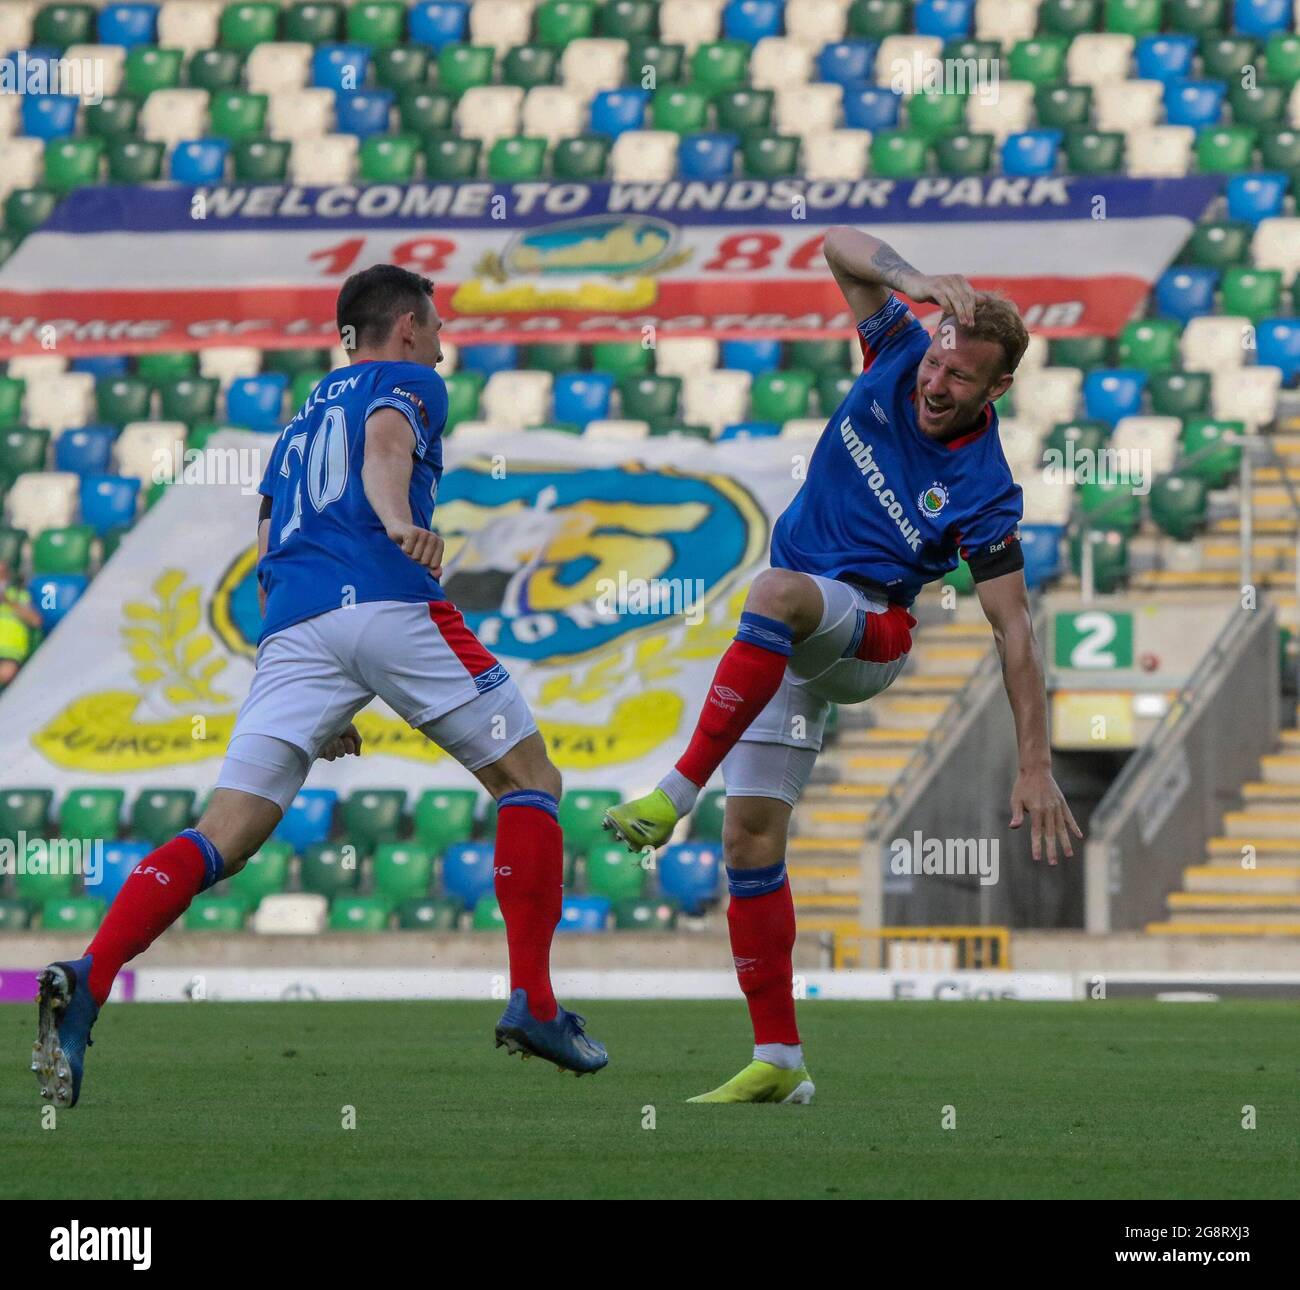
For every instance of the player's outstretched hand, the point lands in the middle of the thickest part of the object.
(950, 291)
(422, 545)
(347, 744)
(1049, 815)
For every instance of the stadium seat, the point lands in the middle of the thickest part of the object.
(119, 859)
(24, 810)
(871, 107)
(836, 154)
(1276, 245)
(1160, 151)
(371, 816)
(1261, 17)
(170, 117)
(72, 914)
(1110, 394)
(330, 868)
(552, 113)
(1184, 292)
(256, 402)
(290, 914)
(689, 875)
(1179, 394)
(277, 66)
(1167, 56)
(1256, 196)
(752, 356)
(1041, 546)
(308, 819)
(644, 916)
(1212, 342)
(1031, 152)
(108, 501)
(1111, 506)
(340, 67)
(213, 913)
(159, 814)
(1212, 449)
(1224, 149)
(1194, 103)
(199, 161)
(1246, 394)
(402, 871)
(23, 451)
(91, 813)
(1278, 345)
(363, 112)
(582, 397)
(265, 873)
(1151, 345)
(64, 550)
(49, 116)
(1252, 293)
(1178, 505)
(358, 914)
(583, 914)
(1152, 441)
(41, 499)
(614, 872)
(582, 812)
(1128, 105)
(467, 872)
(428, 914)
(583, 158)
(14, 914)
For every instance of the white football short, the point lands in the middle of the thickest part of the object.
(776, 754)
(311, 679)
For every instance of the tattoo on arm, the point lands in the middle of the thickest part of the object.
(890, 266)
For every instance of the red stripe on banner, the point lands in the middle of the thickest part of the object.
(134, 322)
(464, 644)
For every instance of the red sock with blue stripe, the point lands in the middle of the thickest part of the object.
(156, 893)
(529, 881)
(760, 918)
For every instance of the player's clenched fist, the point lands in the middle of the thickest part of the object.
(422, 545)
(347, 744)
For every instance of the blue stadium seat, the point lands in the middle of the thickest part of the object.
(487, 359)
(871, 107)
(1186, 292)
(583, 914)
(86, 451)
(613, 111)
(363, 112)
(1194, 102)
(1031, 152)
(689, 874)
(1261, 17)
(53, 594)
(751, 355)
(439, 23)
(102, 365)
(1113, 392)
(119, 859)
(847, 62)
(1041, 546)
(948, 19)
(340, 67)
(256, 401)
(752, 20)
(1165, 57)
(308, 819)
(49, 116)
(128, 24)
(750, 430)
(1257, 196)
(709, 154)
(581, 397)
(467, 872)
(1278, 341)
(108, 501)
(200, 161)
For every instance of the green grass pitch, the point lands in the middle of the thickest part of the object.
(1116, 1099)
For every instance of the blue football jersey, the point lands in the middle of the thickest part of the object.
(327, 547)
(883, 501)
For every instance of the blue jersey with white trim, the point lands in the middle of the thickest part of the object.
(327, 547)
(885, 502)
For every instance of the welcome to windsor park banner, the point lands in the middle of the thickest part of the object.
(124, 269)
(608, 578)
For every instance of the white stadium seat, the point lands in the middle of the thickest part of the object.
(1006, 21)
(1155, 439)
(499, 23)
(279, 65)
(37, 367)
(804, 429)
(1047, 395)
(1047, 501)
(1034, 357)
(109, 62)
(553, 112)
(169, 116)
(230, 362)
(300, 114)
(1127, 105)
(1022, 446)
(1246, 394)
(11, 115)
(715, 399)
(836, 154)
(1007, 112)
(450, 353)
(901, 61)
(490, 112)
(1215, 342)
(690, 23)
(57, 402)
(43, 499)
(16, 18)
(590, 66)
(331, 159)
(1159, 151)
(285, 913)
(1097, 57)
(1276, 245)
(685, 355)
(649, 155)
(517, 398)
(481, 433)
(22, 164)
(615, 430)
(189, 24)
(146, 450)
(1293, 103)
(778, 62)
(808, 109)
(815, 23)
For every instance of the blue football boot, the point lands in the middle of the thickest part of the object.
(67, 1012)
(561, 1040)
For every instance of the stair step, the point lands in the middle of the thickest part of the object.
(1262, 900)
(1281, 768)
(1217, 924)
(879, 739)
(826, 902)
(1262, 823)
(1270, 791)
(933, 683)
(1207, 878)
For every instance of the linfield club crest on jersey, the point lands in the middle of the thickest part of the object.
(932, 501)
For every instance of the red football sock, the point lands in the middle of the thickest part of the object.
(747, 677)
(529, 887)
(156, 893)
(762, 942)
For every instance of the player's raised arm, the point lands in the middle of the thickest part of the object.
(386, 478)
(1006, 605)
(867, 270)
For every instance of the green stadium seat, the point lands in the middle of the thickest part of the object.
(12, 389)
(1040, 59)
(1225, 149)
(1069, 17)
(582, 812)
(1094, 152)
(877, 19)
(930, 115)
(833, 388)
(380, 24)
(515, 159)
(1253, 293)
(582, 158)
(166, 365)
(428, 914)
(615, 872)
(720, 65)
(24, 810)
(1086, 437)
(1207, 451)
(743, 111)
(706, 819)
(159, 814)
(684, 109)
(650, 398)
(190, 399)
(444, 816)
(898, 154)
(62, 25)
(1224, 56)
(461, 67)
(245, 25)
(313, 23)
(451, 158)
(63, 550)
(111, 118)
(358, 914)
(36, 886)
(1133, 17)
(1062, 107)
(463, 390)
(388, 158)
(120, 399)
(72, 914)
(26, 209)
(781, 396)
(149, 68)
(1084, 352)
(1282, 56)
(112, 540)
(1279, 149)
(644, 916)
(963, 153)
(487, 916)
(261, 161)
(402, 68)
(1151, 344)
(529, 65)
(1111, 506)
(820, 355)
(628, 19)
(266, 873)
(770, 156)
(1259, 105)
(300, 387)
(564, 356)
(330, 868)
(372, 816)
(1195, 17)
(665, 61)
(14, 914)
(621, 358)
(1218, 245)
(424, 111)
(215, 69)
(402, 871)
(135, 161)
(236, 114)
(983, 51)
(22, 450)
(1109, 559)
(562, 21)
(213, 913)
(293, 361)
(91, 813)
(12, 543)
(1179, 394)
(1178, 505)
